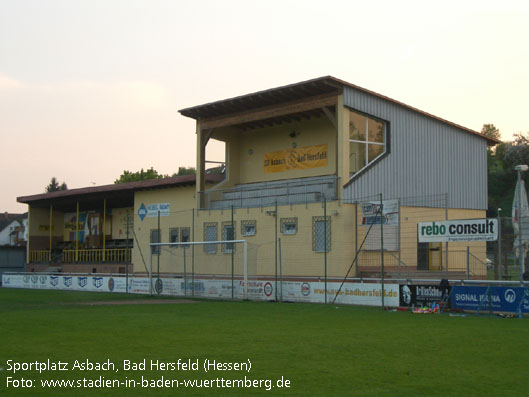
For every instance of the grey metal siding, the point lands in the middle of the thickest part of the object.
(427, 157)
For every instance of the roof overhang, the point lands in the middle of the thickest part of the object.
(264, 107)
(117, 195)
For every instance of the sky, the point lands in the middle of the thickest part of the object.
(89, 89)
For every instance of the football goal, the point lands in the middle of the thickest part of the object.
(200, 269)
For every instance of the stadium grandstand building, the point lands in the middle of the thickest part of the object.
(307, 164)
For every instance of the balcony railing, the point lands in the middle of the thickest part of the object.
(41, 256)
(96, 255)
(109, 255)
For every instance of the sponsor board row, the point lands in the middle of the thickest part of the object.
(349, 293)
(76, 283)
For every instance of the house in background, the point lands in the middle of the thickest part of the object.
(13, 238)
(13, 229)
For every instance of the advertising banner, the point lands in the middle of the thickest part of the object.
(371, 213)
(458, 230)
(351, 293)
(295, 159)
(153, 210)
(498, 299)
(59, 282)
(421, 294)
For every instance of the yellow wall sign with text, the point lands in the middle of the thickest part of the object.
(295, 159)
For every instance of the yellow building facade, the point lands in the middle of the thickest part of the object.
(306, 169)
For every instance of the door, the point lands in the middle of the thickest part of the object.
(429, 256)
(436, 254)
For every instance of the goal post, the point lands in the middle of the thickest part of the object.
(205, 261)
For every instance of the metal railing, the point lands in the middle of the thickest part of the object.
(96, 255)
(39, 256)
(109, 255)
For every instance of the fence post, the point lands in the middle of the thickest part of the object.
(356, 238)
(193, 253)
(127, 256)
(232, 252)
(498, 262)
(325, 242)
(446, 244)
(280, 272)
(158, 247)
(275, 244)
(382, 244)
(468, 262)
(185, 272)
(398, 201)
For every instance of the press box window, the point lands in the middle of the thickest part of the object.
(248, 228)
(367, 140)
(155, 238)
(228, 233)
(289, 225)
(210, 234)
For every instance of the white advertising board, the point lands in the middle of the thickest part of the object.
(458, 230)
(351, 293)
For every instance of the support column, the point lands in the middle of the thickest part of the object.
(28, 239)
(342, 145)
(203, 136)
(51, 235)
(104, 227)
(201, 159)
(77, 234)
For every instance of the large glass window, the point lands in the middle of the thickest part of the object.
(367, 140)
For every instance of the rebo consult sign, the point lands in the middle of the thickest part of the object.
(460, 230)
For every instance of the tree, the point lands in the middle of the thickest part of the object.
(501, 174)
(54, 186)
(141, 175)
(490, 131)
(186, 171)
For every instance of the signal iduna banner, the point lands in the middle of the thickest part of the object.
(295, 159)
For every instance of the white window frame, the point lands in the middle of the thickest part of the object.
(248, 228)
(286, 222)
(367, 142)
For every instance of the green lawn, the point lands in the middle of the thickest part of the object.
(323, 350)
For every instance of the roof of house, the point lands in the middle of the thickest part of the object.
(117, 195)
(293, 92)
(6, 219)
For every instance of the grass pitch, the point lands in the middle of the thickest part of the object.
(323, 350)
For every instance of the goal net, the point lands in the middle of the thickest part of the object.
(210, 269)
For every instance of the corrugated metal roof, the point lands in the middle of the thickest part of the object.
(120, 193)
(291, 92)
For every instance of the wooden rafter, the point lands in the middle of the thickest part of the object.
(272, 111)
(330, 115)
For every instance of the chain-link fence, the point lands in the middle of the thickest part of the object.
(289, 251)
